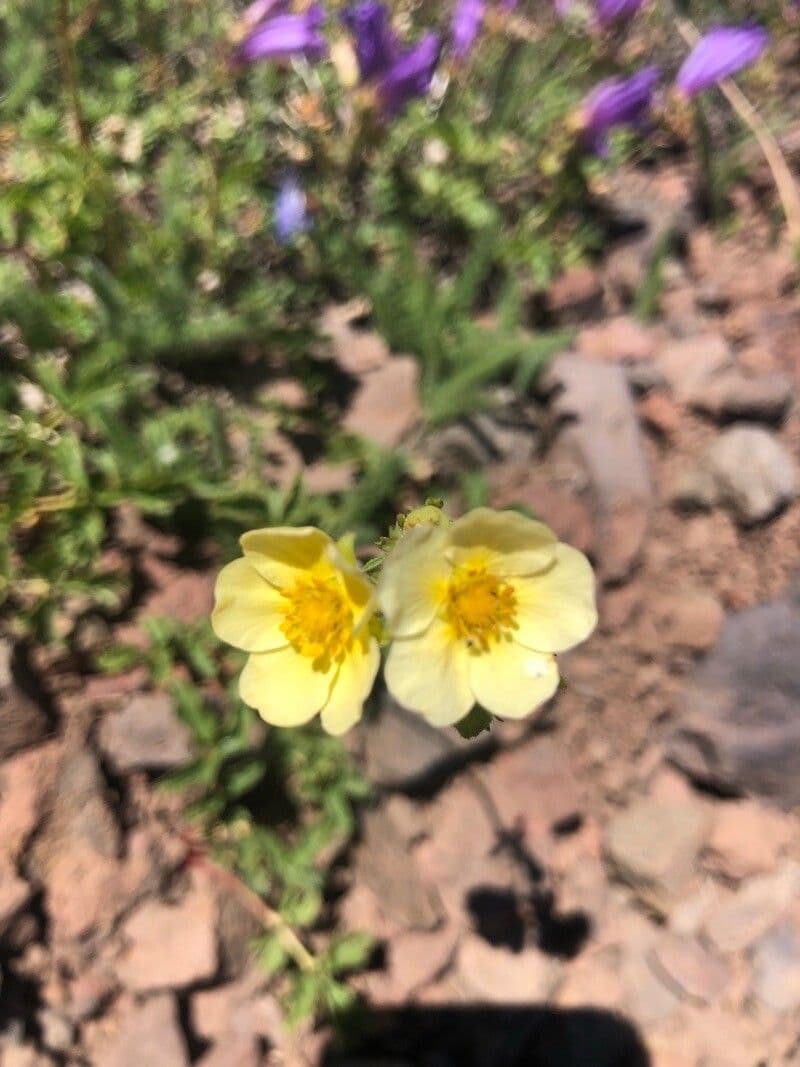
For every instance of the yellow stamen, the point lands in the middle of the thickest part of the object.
(319, 620)
(480, 607)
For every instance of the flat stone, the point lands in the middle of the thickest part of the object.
(653, 847)
(146, 734)
(689, 969)
(355, 349)
(620, 339)
(499, 976)
(688, 619)
(135, 1033)
(733, 395)
(414, 960)
(690, 364)
(604, 435)
(386, 405)
(575, 294)
(754, 472)
(747, 838)
(23, 719)
(235, 1051)
(752, 909)
(648, 999)
(26, 781)
(170, 946)
(239, 1009)
(776, 965)
(740, 730)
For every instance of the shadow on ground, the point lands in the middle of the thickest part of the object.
(476, 1036)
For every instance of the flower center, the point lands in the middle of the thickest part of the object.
(480, 607)
(319, 620)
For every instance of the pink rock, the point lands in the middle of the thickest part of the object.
(689, 364)
(690, 619)
(415, 959)
(14, 894)
(356, 350)
(622, 339)
(386, 405)
(232, 1052)
(239, 1009)
(747, 838)
(25, 781)
(499, 976)
(136, 1033)
(170, 946)
(690, 969)
(575, 293)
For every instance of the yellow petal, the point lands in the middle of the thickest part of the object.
(281, 553)
(556, 608)
(413, 580)
(246, 609)
(352, 687)
(284, 687)
(504, 541)
(428, 674)
(511, 681)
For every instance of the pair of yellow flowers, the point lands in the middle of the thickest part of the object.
(475, 611)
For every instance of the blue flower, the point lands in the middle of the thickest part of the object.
(718, 54)
(410, 75)
(291, 212)
(618, 102)
(282, 36)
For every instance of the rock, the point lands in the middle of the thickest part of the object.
(499, 976)
(621, 339)
(403, 893)
(170, 946)
(754, 472)
(240, 1009)
(57, 1032)
(146, 734)
(741, 731)
(690, 969)
(26, 781)
(402, 751)
(605, 436)
(752, 909)
(135, 1032)
(355, 349)
(593, 978)
(232, 1052)
(534, 787)
(474, 442)
(695, 488)
(14, 895)
(386, 404)
(414, 960)
(237, 928)
(776, 965)
(25, 1055)
(732, 395)
(688, 365)
(747, 839)
(324, 478)
(688, 619)
(648, 1000)
(660, 412)
(23, 719)
(575, 295)
(653, 846)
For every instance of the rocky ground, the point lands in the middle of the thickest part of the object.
(617, 883)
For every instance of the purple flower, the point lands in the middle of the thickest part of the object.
(377, 46)
(400, 73)
(618, 102)
(608, 11)
(720, 53)
(260, 10)
(281, 36)
(291, 213)
(410, 74)
(465, 26)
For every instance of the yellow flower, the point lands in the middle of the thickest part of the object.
(476, 611)
(299, 605)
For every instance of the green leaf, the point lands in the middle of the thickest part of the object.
(476, 722)
(349, 952)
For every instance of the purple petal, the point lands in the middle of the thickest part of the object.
(720, 53)
(376, 45)
(284, 36)
(618, 102)
(291, 214)
(609, 11)
(410, 75)
(260, 10)
(466, 24)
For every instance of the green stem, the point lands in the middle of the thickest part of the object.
(69, 71)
